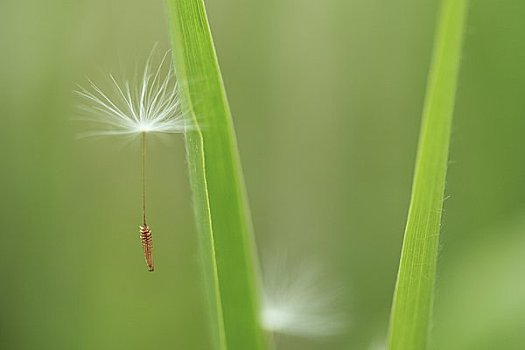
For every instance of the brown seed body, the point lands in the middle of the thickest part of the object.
(147, 246)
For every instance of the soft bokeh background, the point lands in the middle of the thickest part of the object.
(326, 97)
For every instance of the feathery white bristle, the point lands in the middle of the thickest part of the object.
(298, 303)
(150, 105)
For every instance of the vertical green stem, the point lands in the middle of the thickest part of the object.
(221, 210)
(413, 296)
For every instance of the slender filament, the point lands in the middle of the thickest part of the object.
(144, 178)
(145, 232)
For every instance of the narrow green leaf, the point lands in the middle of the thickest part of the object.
(222, 215)
(413, 296)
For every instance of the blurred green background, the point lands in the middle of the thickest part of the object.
(327, 98)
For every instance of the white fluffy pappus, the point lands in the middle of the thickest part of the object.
(150, 104)
(378, 344)
(298, 302)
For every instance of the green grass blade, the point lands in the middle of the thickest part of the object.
(220, 206)
(413, 296)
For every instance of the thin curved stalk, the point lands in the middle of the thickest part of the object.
(413, 296)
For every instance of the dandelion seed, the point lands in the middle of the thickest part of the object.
(297, 302)
(147, 246)
(151, 105)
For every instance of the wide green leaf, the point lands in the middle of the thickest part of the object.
(221, 211)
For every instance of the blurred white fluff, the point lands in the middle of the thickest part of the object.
(150, 104)
(296, 300)
(377, 344)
